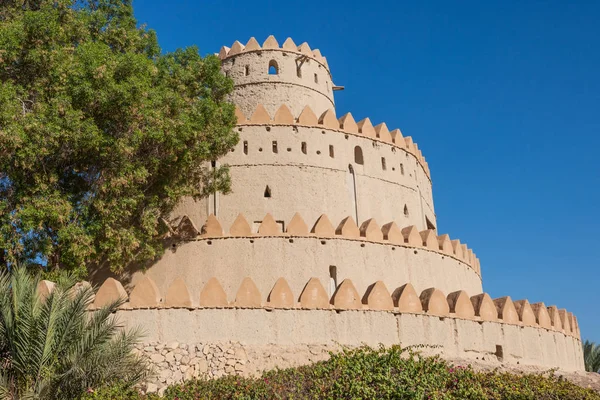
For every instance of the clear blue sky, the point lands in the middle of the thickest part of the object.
(502, 97)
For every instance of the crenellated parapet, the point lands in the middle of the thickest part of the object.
(347, 229)
(274, 74)
(377, 297)
(271, 44)
(328, 120)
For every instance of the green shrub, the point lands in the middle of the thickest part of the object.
(367, 373)
(53, 348)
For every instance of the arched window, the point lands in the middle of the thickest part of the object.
(299, 71)
(316, 78)
(268, 192)
(358, 156)
(273, 68)
(402, 169)
(383, 164)
(247, 70)
(405, 211)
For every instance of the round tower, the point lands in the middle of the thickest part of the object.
(328, 237)
(273, 75)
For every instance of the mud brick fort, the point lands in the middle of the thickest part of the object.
(328, 238)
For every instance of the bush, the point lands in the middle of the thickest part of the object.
(366, 373)
(53, 348)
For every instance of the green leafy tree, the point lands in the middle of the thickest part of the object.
(101, 134)
(591, 356)
(53, 348)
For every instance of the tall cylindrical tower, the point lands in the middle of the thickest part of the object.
(273, 75)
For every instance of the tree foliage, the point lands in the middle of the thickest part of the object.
(591, 356)
(101, 134)
(53, 348)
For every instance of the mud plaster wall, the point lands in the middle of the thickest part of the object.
(316, 183)
(265, 259)
(286, 87)
(258, 339)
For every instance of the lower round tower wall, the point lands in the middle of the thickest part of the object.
(265, 259)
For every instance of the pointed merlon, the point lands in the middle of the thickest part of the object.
(297, 226)
(434, 302)
(270, 43)
(281, 295)
(348, 229)
(406, 299)
(79, 287)
(347, 124)
(429, 239)
(383, 133)
(366, 128)
(178, 294)
(397, 138)
(555, 318)
(445, 245)
(260, 115)
(307, 117)
(346, 297)
(379, 298)
(145, 294)
(412, 236)
(470, 257)
(506, 310)
(571, 318)
(564, 320)
(289, 45)
(240, 227)
(110, 291)
(313, 295)
(457, 249)
(465, 253)
(392, 233)
(317, 53)
(44, 288)
(484, 307)
(525, 312)
(371, 231)
(252, 45)
(409, 144)
(213, 295)
(248, 295)
(186, 228)
(223, 52)
(305, 49)
(284, 116)
(323, 227)
(328, 120)
(235, 49)
(460, 304)
(212, 227)
(542, 317)
(268, 226)
(241, 118)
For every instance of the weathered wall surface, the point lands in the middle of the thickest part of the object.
(265, 259)
(258, 339)
(301, 79)
(313, 171)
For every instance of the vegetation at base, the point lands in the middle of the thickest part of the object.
(101, 134)
(366, 373)
(53, 348)
(591, 356)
